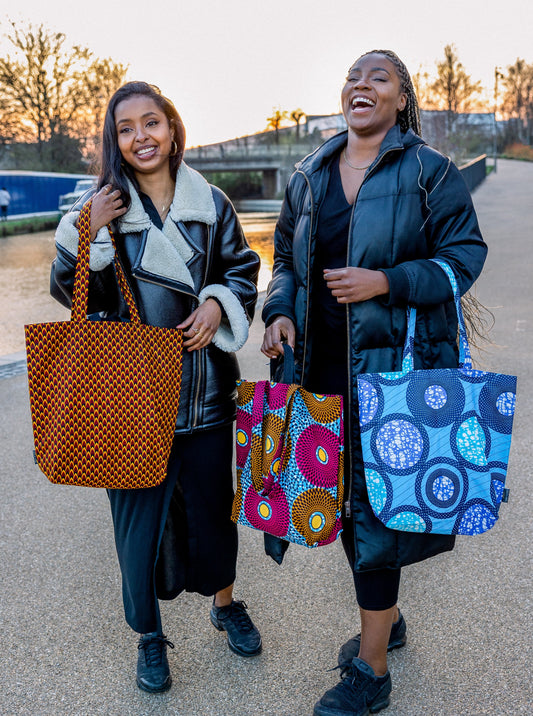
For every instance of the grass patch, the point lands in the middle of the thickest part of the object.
(29, 225)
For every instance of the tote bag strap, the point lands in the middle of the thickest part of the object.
(465, 357)
(80, 296)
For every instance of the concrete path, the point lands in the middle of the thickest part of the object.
(66, 649)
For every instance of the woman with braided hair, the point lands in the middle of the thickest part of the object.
(362, 217)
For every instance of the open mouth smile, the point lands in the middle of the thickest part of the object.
(360, 103)
(146, 152)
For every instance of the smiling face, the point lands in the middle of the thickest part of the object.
(144, 135)
(372, 95)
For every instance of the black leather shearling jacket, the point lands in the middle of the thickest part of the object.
(207, 256)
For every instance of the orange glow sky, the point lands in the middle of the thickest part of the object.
(227, 63)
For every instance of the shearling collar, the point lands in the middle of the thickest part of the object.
(193, 201)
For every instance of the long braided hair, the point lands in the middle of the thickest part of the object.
(478, 318)
(409, 117)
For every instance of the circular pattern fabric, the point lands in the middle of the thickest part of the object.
(377, 490)
(497, 487)
(470, 441)
(245, 392)
(243, 436)
(277, 395)
(441, 488)
(237, 500)
(256, 472)
(435, 398)
(317, 455)
(268, 514)
(497, 403)
(399, 443)
(272, 430)
(408, 521)
(314, 514)
(322, 408)
(478, 518)
(369, 401)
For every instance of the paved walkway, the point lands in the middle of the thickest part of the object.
(67, 651)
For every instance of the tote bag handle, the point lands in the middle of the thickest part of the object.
(465, 357)
(80, 295)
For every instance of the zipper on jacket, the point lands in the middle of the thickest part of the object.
(197, 360)
(348, 501)
(308, 288)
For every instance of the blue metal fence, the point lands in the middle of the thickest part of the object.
(36, 192)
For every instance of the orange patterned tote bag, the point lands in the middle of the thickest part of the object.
(103, 394)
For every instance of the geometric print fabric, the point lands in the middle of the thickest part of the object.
(103, 395)
(289, 462)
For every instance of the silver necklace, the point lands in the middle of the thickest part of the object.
(359, 169)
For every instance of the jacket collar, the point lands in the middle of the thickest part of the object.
(193, 201)
(394, 139)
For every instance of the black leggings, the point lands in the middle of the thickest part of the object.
(378, 589)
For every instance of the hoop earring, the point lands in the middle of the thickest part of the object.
(173, 149)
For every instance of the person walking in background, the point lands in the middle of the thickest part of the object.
(5, 198)
(189, 266)
(362, 217)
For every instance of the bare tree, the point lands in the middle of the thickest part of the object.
(454, 89)
(296, 115)
(518, 98)
(274, 122)
(51, 89)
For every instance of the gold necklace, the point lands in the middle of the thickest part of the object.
(167, 204)
(359, 169)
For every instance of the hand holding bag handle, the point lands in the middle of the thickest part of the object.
(80, 296)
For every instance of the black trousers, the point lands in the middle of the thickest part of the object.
(178, 536)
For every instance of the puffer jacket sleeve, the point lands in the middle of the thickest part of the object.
(281, 291)
(452, 234)
(233, 272)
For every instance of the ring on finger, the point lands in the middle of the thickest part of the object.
(196, 330)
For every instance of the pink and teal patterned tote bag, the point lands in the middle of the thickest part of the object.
(289, 460)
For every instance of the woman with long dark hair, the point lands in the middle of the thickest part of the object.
(189, 266)
(362, 217)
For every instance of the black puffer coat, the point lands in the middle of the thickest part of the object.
(413, 205)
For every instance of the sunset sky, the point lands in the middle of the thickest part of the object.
(227, 64)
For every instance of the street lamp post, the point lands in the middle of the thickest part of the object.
(497, 76)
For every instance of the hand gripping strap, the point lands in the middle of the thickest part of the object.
(80, 294)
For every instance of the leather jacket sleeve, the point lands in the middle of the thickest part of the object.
(281, 294)
(233, 265)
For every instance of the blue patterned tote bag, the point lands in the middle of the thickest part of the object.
(436, 442)
(290, 446)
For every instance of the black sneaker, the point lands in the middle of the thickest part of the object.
(358, 693)
(243, 637)
(397, 639)
(153, 673)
